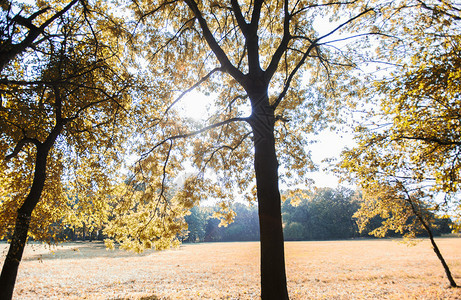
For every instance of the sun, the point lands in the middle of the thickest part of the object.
(196, 106)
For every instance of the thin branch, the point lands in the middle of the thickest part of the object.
(282, 47)
(170, 40)
(33, 33)
(431, 140)
(357, 36)
(291, 76)
(202, 170)
(344, 24)
(20, 145)
(198, 83)
(304, 8)
(162, 189)
(313, 44)
(445, 12)
(193, 133)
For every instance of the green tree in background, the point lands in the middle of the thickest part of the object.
(196, 222)
(324, 214)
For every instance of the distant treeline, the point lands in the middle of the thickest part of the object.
(326, 214)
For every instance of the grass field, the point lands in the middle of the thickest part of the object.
(362, 269)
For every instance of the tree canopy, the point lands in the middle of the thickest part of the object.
(407, 156)
(411, 135)
(74, 75)
(62, 110)
(263, 57)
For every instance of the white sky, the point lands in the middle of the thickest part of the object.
(329, 145)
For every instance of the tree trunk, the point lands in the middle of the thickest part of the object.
(442, 260)
(19, 238)
(436, 249)
(428, 229)
(273, 277)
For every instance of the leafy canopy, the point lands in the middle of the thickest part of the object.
(409, 145)
(68, 90)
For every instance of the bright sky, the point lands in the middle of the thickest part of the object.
(195, 106)
(329, 145)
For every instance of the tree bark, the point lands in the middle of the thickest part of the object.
(436, 248)
(273, 276)
(442, 260)
(19, 238)
(428, 229)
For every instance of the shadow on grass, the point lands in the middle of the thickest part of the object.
(80, 250)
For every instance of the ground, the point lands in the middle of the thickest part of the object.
(356, 269)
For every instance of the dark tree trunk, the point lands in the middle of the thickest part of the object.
(19, 238)
(273, 276)
(436, 248)
(84, 232)
(13, 258)
(428, 229)
(442, 260)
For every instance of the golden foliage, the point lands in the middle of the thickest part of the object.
(410, 146)
(66, 93)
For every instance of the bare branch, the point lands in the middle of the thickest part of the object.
(344, 24)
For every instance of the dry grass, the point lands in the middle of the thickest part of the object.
(366, 269)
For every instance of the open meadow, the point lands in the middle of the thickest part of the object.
(356, 269)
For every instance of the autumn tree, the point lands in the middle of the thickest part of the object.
(270, 73)
(407, 156)
(18, 32)
(63, 99)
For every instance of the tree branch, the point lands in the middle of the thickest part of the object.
(313, 44)
(431, 140)
(213, 44)
(198, 83)
(256, 15)
(291, 76)
(20, 145)
(344, 24)
(243, 25)
(189, 134)
(231, 148)
(33, 33)
(273, 65)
